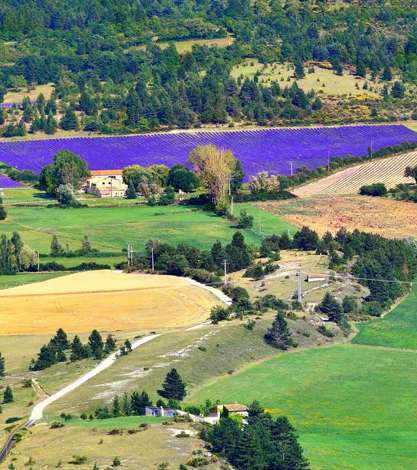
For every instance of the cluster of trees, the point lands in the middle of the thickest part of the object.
(14, 255)
(372, 258)
(173, 389)
(263, 443)
(158, 183)
(88, 51)
(59, 348)
(64, 176)
(58, 250)
(187, 260)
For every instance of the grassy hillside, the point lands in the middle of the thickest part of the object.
(398, 329)
(352, 405)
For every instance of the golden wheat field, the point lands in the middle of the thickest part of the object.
(105, 300)
(387, 217)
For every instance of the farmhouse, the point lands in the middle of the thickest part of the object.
(105, 183)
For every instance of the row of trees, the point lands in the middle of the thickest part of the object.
(59, 348)
(14, 255)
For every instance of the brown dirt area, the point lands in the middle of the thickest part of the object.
(105, 300)
(387, 217)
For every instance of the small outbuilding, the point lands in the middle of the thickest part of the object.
(159, 411)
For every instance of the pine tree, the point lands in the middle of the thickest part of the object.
(69, 121)
(126, 405)
(332, 308)
(248, 453)
(110, 344)
(173, 387)
(279, 335)
(56, 248)
(2, 366)
(3, 212)
(60, 340)
(77, 349)
(8, 395)
(50, 125)
(116, 407)
(95, 342)
(128, 346)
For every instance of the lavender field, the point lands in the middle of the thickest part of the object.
(267, 149)
(6, 182)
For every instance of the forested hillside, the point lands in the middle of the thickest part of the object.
(115, 66)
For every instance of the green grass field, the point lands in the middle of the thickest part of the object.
(111, 228)
(353, 406)
(398, 329)
(25, 278)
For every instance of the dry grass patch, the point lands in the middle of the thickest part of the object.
(32, 93)
(322, 80)
(105, 300)
(386, 217)
(55, 448)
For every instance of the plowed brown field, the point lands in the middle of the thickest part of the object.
(387, 217)
(105, 300)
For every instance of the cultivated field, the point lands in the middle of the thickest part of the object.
(387, 217)
(104, 300)
(352, 406)
(389, 171)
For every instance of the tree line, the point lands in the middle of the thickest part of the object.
(60, 349)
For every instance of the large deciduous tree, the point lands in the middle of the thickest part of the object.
(216, 168)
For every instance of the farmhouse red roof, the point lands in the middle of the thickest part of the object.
(106, 172)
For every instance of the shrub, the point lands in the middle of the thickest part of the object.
(375, 189)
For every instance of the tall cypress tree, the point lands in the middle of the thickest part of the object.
(2, 366)
(8, 395)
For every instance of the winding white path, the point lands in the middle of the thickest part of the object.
(38, 409)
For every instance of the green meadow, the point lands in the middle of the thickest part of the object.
(111, 227)
(353, 406)
(398, 329)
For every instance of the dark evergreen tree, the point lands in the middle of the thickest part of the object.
(279, 334)
(173, 386)
(8, 395)
(110, 344)
(2, 366)
(69, 121)
(116, 408)
(77, 349)
(95, 342)
(331, 307)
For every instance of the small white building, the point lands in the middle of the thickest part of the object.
(105, 183)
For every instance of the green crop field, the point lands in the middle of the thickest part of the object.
(7, 281)
(398, 329)
(123, 422)
(353, 406)
(111, 228)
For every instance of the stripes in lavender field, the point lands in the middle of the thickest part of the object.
(7, 183)
(259, 150)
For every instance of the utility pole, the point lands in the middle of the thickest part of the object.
(299, 287)
(152, 258)
(328, 160)
(371, 149)
(291, 168)
(37, 257)
(225, 272)
(231, 205)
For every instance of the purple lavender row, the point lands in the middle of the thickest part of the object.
(267, 149)
(7, 183)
